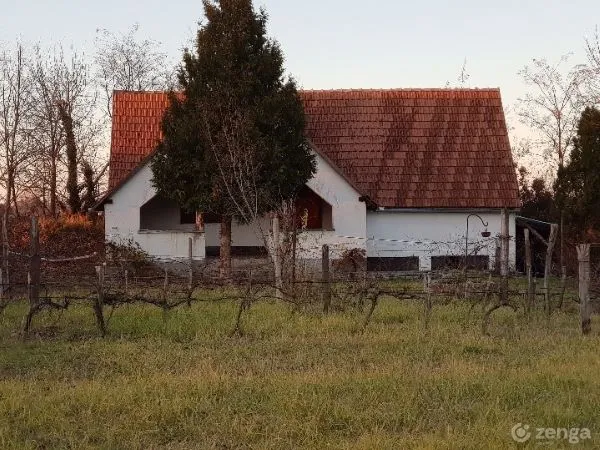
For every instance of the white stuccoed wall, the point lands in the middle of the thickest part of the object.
(241, 235)
(122, 221)
(351, 222)
(446, 228)
(348, 214)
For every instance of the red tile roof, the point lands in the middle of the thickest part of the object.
(404, 148)
(135, 130)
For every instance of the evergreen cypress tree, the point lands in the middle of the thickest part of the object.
(578, 183)
(233, 138)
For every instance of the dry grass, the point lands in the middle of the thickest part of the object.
(293, 381)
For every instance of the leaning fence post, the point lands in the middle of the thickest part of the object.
(99, 301)
(548, 267)
(583, 256)
(326, 279)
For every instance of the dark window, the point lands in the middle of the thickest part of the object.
(187, 217)
(211, 218)
(314, 210)
(393, 264)
(190, 217)
(213, 252)
(478, 262)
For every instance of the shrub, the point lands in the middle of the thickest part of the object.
(352, 260)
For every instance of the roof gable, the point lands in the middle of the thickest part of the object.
(404, 148)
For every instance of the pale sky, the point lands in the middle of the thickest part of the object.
(346, 43)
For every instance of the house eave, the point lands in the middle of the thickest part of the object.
(445, 210)
(106, 198)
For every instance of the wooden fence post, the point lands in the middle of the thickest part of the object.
(99, 301)
(504, 251)
(428, 303)
(294, 249)
(190, 263)
(326, 279)
(277, 258)
(34, 275)
(190, 271)
(583, 256)
(548, 267)
(528, 265)
(5, 255)
(563, 285)
(2, 278)
(126, 283)
(498, 256)
(2, 302)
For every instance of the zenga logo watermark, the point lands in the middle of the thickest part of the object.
(524, 432)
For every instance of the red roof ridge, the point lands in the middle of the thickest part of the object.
(345, 90)
(431, 93)
(458, 89)
(140, 91)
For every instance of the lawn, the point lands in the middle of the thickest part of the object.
(294, 380)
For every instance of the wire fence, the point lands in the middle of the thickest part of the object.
(342, 277)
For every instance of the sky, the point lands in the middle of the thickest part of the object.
(346, 43)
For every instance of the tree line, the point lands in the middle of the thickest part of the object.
(55, 110)
(234, 143)
(558, 160)
(574, 194)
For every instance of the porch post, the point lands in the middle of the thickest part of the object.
(199, 221)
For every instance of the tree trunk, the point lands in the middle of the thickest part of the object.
(9, 191)
(90, 187)
(277, 257)
(14, 196)
(53, 187)
(72, 188)
(225, 249)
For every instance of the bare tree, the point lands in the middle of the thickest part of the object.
(48, 136)
(551, 108)
(15, 135)
(67, 127)
(590, 71)
(128, 63)
(552, 111)
(237, 161)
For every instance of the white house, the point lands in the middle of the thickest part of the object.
(399, 174)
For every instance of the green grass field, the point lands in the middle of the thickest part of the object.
(294, 381)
